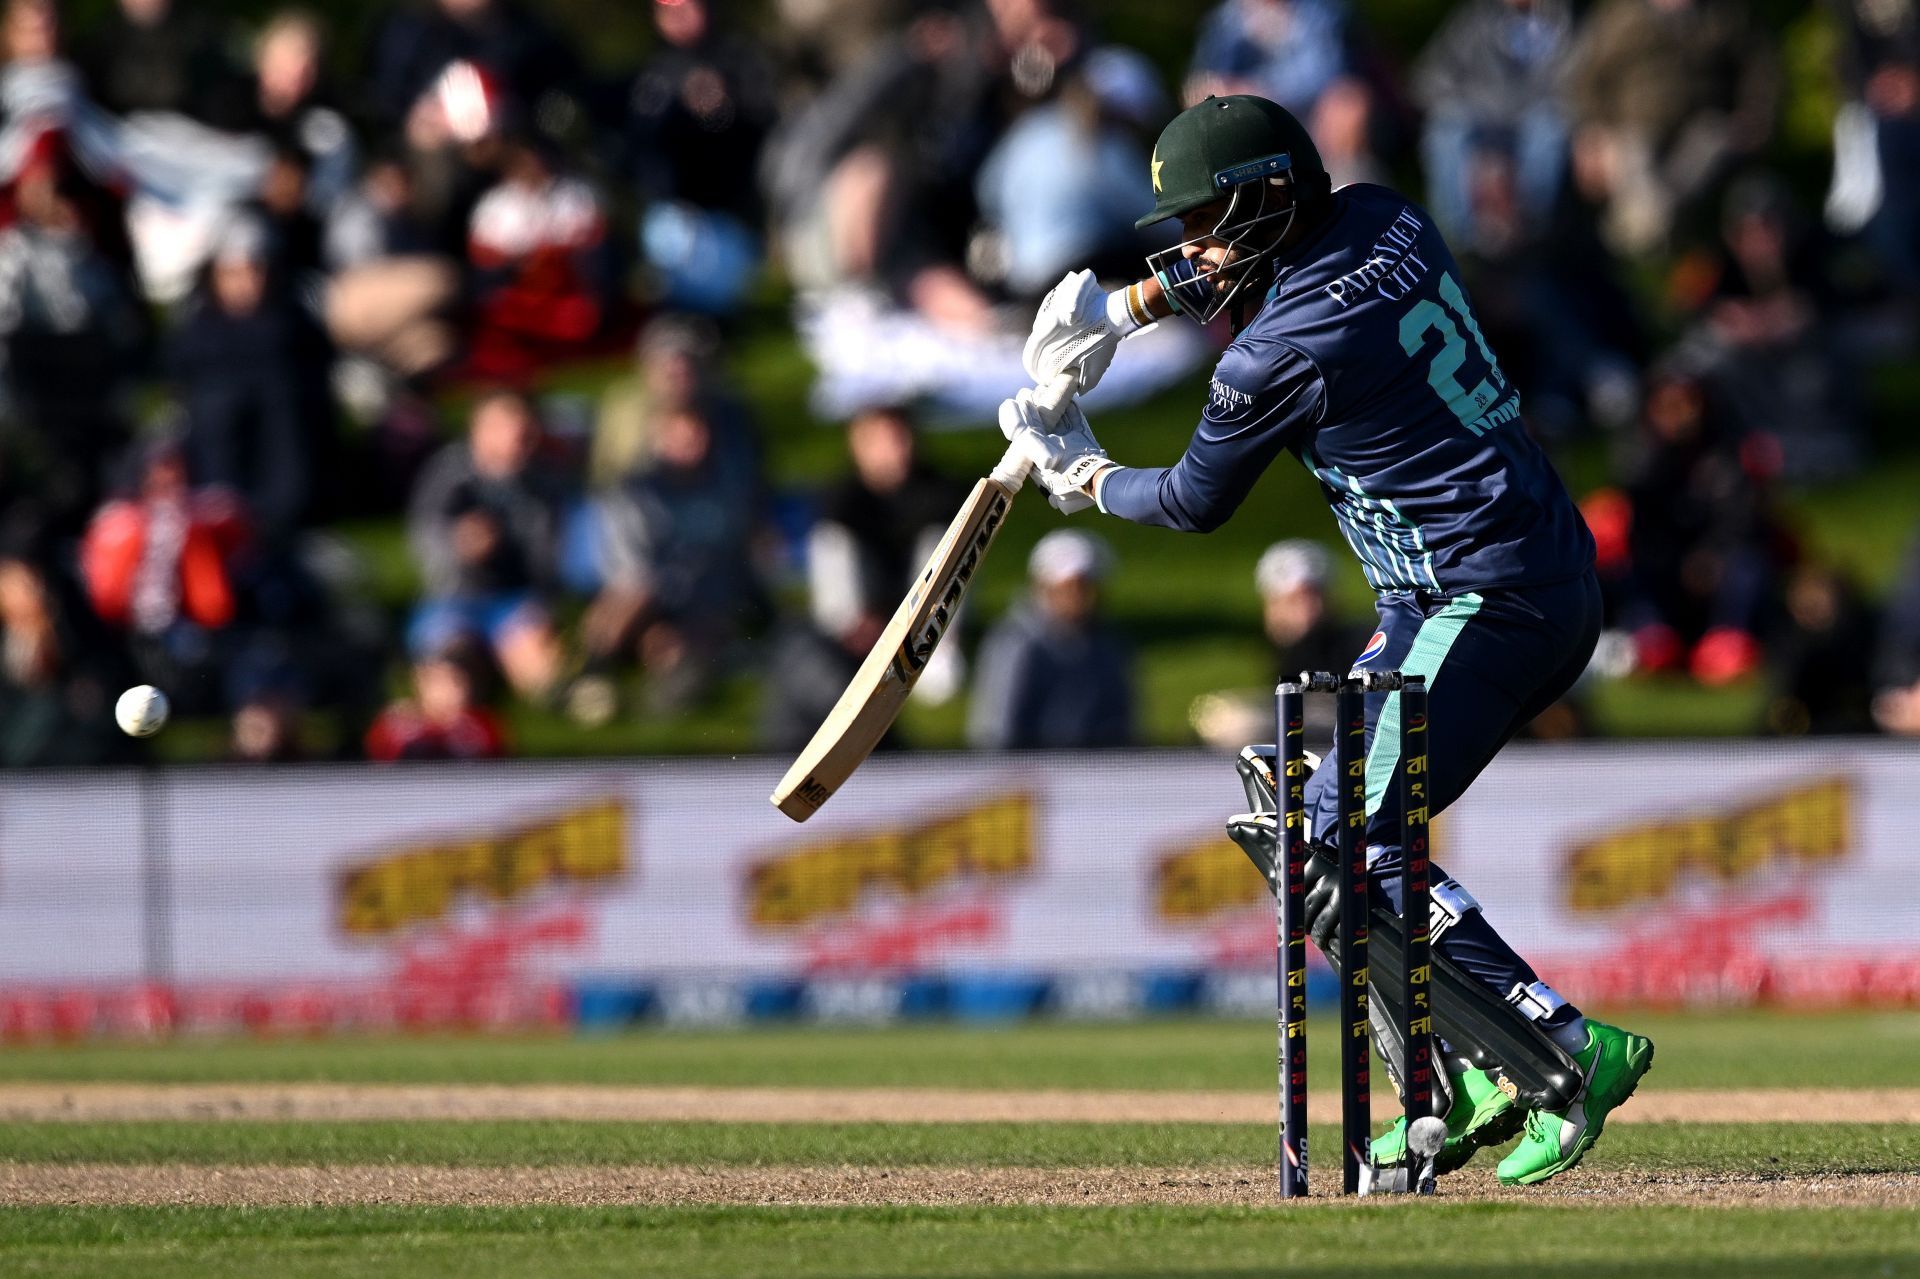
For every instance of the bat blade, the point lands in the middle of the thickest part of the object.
(872, 701)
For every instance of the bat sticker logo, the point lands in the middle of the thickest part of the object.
(917, 649)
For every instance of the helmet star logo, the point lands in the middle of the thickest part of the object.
(1156, 170)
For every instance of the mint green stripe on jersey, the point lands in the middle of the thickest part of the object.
(1419, 542)
(1356, 536)
(1393, 551)
(1425, 656)
(1388, 541)
(1349, 510)
(1372, 552)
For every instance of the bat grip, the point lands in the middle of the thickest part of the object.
(1011, 471)
(1052, 398)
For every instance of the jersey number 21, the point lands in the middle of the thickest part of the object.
(1469, 404)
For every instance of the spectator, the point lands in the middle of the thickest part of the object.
(444, 719)
(519, 57)
(482, 526)
(1667, 96)
(1876, 181)
(251, 368)
(876, 528)
(154, 55)
(1064, 184)
(453, 147)
(697, 115)
(287, 103)
(71, 326)
(872, 182)
(1298, 53)
(541, 272)
(1553, 301)
(266, 730)
(50, 120)
(1054, 674)
(47, 117)
(1291, 51)
(39, 88)
(58, 677)
(821, 39)
(1820, 660)
(165, 565)
(678, 367)
(1897, 709)
(392, 296)
(1545, 286)
(310, 641)
(698, 112)
(680, 586)
(378, 218)
(295, 236)
(1305, 634)
(1705, 545)
(1487, 82)
(1759, 302)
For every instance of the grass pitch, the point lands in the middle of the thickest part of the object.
(1756, 1199)
(1446, 1242)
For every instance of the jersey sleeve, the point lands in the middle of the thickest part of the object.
(1264, 396)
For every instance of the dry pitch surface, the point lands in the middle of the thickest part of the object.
(680, 1185)
(137, 1103)
(418, 1186)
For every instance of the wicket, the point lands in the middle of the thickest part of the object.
(1349, 762)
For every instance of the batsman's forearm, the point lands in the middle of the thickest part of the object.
(1155, 299)
(1138, 305)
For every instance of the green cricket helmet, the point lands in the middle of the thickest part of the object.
(1250, 152)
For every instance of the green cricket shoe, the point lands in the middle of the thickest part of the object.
(1482, 1115)
(1611, 1066)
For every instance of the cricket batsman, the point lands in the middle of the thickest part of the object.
(1356, 350)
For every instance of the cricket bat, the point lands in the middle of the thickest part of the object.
(870, 704)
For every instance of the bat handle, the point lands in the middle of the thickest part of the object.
(1052, 398)
(1011, 471)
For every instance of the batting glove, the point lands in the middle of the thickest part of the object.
(1072, 334)
(1066, 460)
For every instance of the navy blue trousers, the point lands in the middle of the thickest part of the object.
(1493, 661)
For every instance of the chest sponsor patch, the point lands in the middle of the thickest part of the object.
(1375, 646)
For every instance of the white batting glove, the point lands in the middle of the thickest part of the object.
(1072, 333)
(1065, 460)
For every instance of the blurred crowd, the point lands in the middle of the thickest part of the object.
(271, 292)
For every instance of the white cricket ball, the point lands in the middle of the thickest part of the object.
(1426, 1135)
(141, 710)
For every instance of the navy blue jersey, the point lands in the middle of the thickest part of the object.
(1366, 362)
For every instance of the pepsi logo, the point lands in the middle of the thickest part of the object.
(1374, 648)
